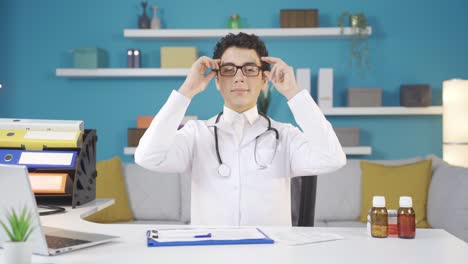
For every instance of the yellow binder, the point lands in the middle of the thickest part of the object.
(39, 139)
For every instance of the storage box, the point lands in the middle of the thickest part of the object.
(348, 136)
(89, 58)
(134, 136)
(299, 18)
(144, 121)
(416, 95)
(178, 57)
(364, 97)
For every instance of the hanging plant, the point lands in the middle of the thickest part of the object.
(359, 48)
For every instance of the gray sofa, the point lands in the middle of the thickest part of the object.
(165, 198)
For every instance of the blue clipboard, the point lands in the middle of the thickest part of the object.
(212, 240)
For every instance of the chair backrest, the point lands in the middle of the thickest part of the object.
(303, 193)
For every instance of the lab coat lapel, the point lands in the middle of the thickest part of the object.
(258, 127)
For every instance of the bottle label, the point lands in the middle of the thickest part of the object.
(379, 230)
(379, 222)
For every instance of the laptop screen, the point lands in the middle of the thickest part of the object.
(16, 194)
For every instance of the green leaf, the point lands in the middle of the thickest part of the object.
(20, 225)
(10, 235)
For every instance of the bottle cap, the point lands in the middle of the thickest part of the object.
(406, 201)
(378, 201)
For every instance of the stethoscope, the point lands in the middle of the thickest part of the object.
(224, 169)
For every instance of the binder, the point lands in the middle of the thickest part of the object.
(303, 79)
(217, 236)
(39, 159)
(39, 139)
(325, 88)
(82, 176)
(41, 124)
(50, 182)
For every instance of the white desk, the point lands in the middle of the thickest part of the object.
(430, 246)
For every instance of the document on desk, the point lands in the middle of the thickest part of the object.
(301, 237)
(206, 236)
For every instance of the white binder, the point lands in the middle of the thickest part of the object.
(325, 88)
(41, 124)
(303, 78)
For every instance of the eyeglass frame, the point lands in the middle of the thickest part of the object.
(240, 67)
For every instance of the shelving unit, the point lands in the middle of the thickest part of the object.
(360, 150)
(121, 72)
(158, 72)
(268, 33)
(384, 110)
(320, 32)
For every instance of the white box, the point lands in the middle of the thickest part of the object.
(303, 78)
(325, 88)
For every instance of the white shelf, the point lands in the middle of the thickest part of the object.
(122, 72)
(320, 32)
(387, 110)
(129, 150)
(361, 150)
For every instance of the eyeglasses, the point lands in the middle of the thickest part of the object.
(247, 70)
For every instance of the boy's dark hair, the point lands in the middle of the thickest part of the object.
(245, 41)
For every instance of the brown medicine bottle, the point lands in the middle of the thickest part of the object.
(379, 217)
(406, 218)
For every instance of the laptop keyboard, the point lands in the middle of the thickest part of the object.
(63, 242)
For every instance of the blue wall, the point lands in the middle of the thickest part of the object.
(413, 42)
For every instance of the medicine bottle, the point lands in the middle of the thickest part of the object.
(379, 217)
(406, 218)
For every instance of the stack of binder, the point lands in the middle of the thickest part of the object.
(60, 156)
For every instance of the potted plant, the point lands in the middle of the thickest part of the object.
(264, 99)
(18, 228)
(359, 47)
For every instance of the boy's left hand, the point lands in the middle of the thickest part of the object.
(282, 77)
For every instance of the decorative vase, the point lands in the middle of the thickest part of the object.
(143, 20)
(17, 252)
(155, 22)
(234, 22)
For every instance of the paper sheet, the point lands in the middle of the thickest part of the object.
(51, 135)
(44, 158)
(168, 235)
(301, 237)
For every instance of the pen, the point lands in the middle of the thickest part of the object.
(181, 235)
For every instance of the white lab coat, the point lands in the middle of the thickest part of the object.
(250, 195)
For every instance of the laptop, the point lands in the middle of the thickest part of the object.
(16, 193)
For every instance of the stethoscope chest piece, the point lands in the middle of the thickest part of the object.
(224, 170)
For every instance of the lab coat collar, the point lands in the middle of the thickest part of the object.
(230, 115)
(258, 127)
(221, 125)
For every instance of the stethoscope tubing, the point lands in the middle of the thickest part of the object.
(218, 155)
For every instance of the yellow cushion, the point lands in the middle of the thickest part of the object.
(395, 181)
(110, 184)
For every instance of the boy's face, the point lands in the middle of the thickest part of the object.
(240, 92)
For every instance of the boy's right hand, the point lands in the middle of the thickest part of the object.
(196, 80)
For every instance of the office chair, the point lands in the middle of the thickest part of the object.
(303, 193)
